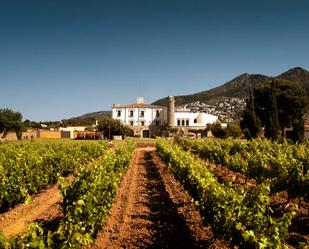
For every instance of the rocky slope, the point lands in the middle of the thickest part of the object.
(228, 100)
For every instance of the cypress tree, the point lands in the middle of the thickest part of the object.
(272, 126)
(298, 133)
(250, 123)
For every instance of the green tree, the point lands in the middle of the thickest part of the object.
(218, 131)
(111, 127)
(11, 121)
(298, 133)
(272, 126)
(288, 98)
(80, 121)
(250, 123)
(233, 130)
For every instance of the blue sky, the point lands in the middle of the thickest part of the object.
(64, 58)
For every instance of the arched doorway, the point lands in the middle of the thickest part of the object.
(146, 134)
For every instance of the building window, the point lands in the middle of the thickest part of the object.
(131, 123)
(131, 113)
(195, 121)
(142, 114)
(187, 122)
(157, 123)
(178, 122)
(118, 113)
(157, 113)
(142, 123)
(182, 122)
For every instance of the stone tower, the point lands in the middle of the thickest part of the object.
(171, 112)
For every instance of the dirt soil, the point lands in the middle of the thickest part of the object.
(152, 210)
(299, 229)
(45, 206)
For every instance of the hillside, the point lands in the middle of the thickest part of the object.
(97, 115)
(238, 87)
(297, 74)
(225, 101)
(228, 100)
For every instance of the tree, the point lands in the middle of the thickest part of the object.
(298, 130)
(217, 130)
(11, 121)
(287, 98)
(272, 126)
(111, 127)
(250, 123)
(233, 130)
(80, 121)
(203, 132)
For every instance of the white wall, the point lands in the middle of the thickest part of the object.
(71, 129)
(202, 118)
(148, 118)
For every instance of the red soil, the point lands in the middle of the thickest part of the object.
(152, 210)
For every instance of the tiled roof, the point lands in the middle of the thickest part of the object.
(137, 105)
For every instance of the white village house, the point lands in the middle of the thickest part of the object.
(146, 120)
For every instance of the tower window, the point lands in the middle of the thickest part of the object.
(142, 114)
(182, 122)
(118, 113)
(131, 113)
(157, 113)
(178, 122)
(187, 122)
(195, 121)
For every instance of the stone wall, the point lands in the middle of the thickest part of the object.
(49, 134)
(11, 136)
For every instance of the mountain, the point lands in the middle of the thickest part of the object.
(297, 74)
(97, 115)
(227, 100)
(238, 87)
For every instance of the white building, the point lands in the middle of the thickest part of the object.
(143, 119)
(146, 120)
(72, 129)
(183, 117)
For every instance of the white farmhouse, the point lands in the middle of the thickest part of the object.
(146, 120)
(196, 120)
(72, 129)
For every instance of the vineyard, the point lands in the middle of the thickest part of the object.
(280, 177)
(183, 193)
(25, 168)
(85, 201)
(285, 166)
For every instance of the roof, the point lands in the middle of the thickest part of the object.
(137, 105)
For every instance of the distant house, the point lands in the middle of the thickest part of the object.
(70, 131)
(194, 120)
(146, 120)
(143, 119)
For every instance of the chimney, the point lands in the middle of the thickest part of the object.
(171, 112)
(140, 100)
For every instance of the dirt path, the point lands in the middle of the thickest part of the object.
(299, 229)
(45, 206)
(152, 210)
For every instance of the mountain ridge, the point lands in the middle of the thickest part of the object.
(224, 96)
(239, 87)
